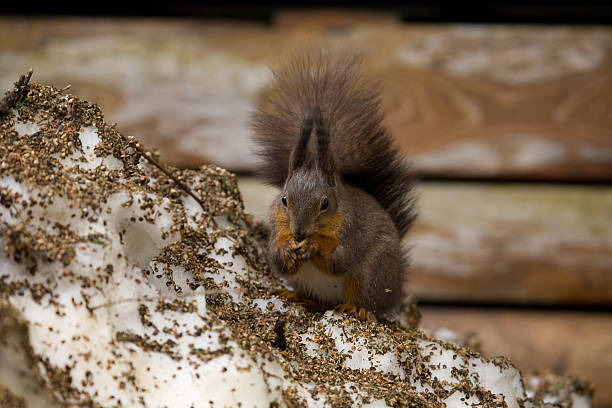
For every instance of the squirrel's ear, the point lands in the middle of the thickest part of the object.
(298, 156)
(325, 156)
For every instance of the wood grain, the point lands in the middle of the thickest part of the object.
(561, 342)
(509, 243)
(514, 243)
(480, 101)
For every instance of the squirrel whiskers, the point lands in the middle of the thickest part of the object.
(346, 193)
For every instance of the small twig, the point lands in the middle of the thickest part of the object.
(64, 89)
(182, 186)
(151, 299)
(12, 96)
(344, 332)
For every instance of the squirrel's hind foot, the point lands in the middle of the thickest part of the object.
(290, 296)
(361, 313)
(287, 295)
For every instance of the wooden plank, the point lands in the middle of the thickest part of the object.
(509, 243)
(562, 342)
(463, 101)
(513, 243)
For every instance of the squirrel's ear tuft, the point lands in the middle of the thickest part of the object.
(298, 156)
(325, 156)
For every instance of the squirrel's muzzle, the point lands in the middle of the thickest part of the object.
(300, 236)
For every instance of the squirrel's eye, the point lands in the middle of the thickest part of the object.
(284, 200)
(324, 204)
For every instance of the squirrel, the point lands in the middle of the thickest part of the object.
(346, 194)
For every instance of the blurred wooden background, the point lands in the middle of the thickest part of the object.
(509, 126)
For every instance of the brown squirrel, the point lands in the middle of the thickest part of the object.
(346, 197)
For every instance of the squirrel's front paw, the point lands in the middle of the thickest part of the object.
(304, 249)
(290, 257)
(293, 254)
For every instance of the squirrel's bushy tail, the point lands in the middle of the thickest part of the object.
(363, 149)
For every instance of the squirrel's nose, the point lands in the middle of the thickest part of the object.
(299, 237)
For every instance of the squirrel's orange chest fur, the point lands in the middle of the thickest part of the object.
(324, 241)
